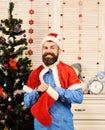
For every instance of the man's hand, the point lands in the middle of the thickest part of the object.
(43, 87)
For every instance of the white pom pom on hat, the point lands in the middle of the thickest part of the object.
(53, 37)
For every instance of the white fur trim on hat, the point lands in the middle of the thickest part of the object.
(53, 37)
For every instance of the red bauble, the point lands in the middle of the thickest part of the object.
(12, 63)
(79, 58)
(30, 52)
(2, 94)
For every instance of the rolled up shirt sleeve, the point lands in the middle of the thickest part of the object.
(70, 96)
(31, 98)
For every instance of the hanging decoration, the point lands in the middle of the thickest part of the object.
(62, 20)
(80, 16)
(63, 3)
(98, 33)
(48, 4)
(31, 30)
(49, 15)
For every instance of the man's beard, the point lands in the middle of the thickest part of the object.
(49, 60)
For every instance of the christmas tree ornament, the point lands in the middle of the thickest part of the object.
(5, 85)
(2, 94)
(9, 99)
(17, 28)
(22, 103)
(22, 83)
(9, 47)
(26, 52)
(5, 65)
(9, 107)
(30, 65)
(6, 128)
(30, 52)
(3, 39)
(7, 29)
(13, 63)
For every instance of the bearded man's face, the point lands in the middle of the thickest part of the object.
(50, 53)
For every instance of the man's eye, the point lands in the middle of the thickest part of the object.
(44, 47)
(53, 47)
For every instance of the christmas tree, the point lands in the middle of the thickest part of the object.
(15, 67)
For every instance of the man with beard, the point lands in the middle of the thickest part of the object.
(52, 88)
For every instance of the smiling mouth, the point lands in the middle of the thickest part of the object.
(49, 55)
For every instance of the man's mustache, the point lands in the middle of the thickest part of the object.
(48, 54)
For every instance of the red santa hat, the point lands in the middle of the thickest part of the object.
(53, 37)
